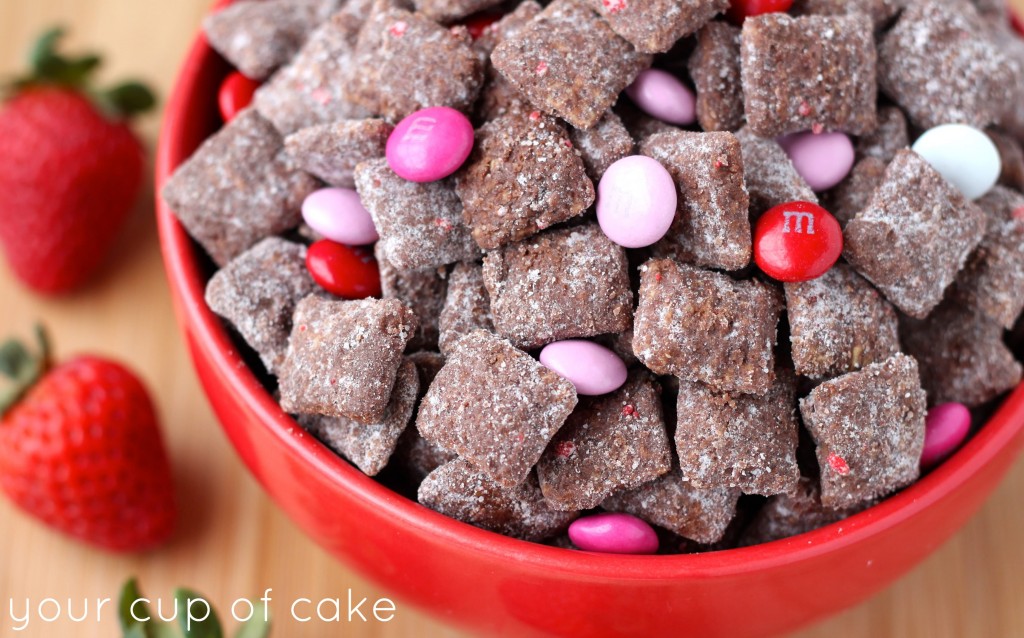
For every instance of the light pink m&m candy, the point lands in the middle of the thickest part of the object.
(662, 95)
(945, 428)
(591, 367)
(430, 144)
(636, 201)
(338, 215)
(611, 533)
(822, 159)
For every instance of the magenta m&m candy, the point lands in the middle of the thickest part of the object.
(636, 201)
(338, 214)
(612, 533)
(591, 367)
(797, 241)
(430, 144)
(344, 271)
(822, 159)
(945, 428)
(664, 96)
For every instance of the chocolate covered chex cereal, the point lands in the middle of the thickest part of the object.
(809, 73)
(603, 145)
(495, 406)
(715, 69)
(839, 323)
(466, 307)
(914, 236)
(415, 457)
(890, 136)
(257, 293)
(522, 177)
(704, 326)
(420, 225)
(787, 515)
(1011, 153)
(460, 491)
(397, 65)
(569, 63)
(939, 64)
(993, 279)
(769, 175)
(259, 37)
(673, 503)
(343, 357)
(423, 291)
(738, 441)
(309, 91)
(609, 443)
(498, 97)
(369, 446)
(653, 26)
(562, 284)
(428, 364)
(331, 152)
(640, 125)
(869, 430)
(962, 355)
(854, 193)
(238, 188)
(450, 10)
(711, 227)
(508, 26)
(880, 11)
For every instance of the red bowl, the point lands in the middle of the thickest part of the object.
(498, 585)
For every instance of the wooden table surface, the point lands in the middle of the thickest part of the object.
(233, 541)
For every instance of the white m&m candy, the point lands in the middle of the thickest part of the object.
(965, 156)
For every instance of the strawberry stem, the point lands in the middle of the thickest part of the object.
(21, 368)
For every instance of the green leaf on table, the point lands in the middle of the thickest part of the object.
(209, 627)
(132, 627)
(256, 627)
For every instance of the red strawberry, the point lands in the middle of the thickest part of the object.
(80, 449)
(70, 169)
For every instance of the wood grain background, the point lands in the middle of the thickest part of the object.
(233, 541)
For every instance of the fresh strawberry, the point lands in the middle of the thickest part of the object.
(70, 168)
(80, 449)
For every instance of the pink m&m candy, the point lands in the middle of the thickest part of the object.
(636, 201)
(822, 159)
(430, 144)
(662, 95)
(591, 367)
(945, 428)
(338, 215)
(610, 533)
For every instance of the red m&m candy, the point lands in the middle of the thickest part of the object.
(478, 24)
(740, 10)
(797, 241)
(235, 94)
(349, 272)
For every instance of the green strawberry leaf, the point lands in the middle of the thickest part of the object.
(50, 68)
(22, 368)
(45, 48)
(256, 627)
(209, 627)
(131, 627)
(126, 100)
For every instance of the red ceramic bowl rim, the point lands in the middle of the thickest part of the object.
(184, 274)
